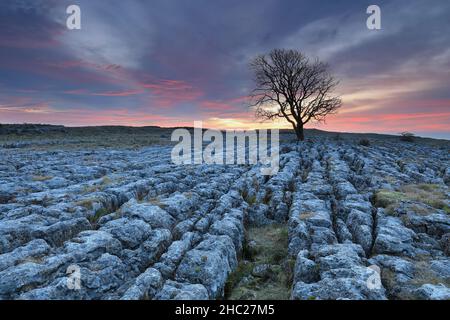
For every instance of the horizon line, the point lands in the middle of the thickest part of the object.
(220, 129)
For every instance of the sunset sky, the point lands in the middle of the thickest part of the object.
(168, 63)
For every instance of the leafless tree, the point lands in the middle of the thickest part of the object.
(289, 85)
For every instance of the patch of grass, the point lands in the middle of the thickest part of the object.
(41, 178)
(304, 175)
(269, 247)
(85, 203)
(401, 165)
(244, 194)
(111, 137)
(45, 201)
(156, 202)
(426, 187)
(89, 189)
(188, 195)
(36, 260)
(389, 281)
(250, 199)
(106, 181)
(97, 215)
(98, 187)
(249, 252)
(306, 215)
(419, 209)
(424, 274)
(288, 269)
(388, 198)
(255, 183)
(273, 291)
(429, 194)
(284, 235)
(390, 179)
(272, 242)
(243, 269)
(267, 197)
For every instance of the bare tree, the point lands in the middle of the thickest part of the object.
(289, 85)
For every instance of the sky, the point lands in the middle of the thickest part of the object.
(170, 63)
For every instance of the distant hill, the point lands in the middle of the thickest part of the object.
(28, 129)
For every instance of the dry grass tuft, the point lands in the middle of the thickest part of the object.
(429, 194)
(41, 178)
(270, 247)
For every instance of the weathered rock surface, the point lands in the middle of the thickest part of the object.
(136, 226)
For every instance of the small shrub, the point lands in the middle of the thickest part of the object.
(291, 185)
(156, 202)
(304, 175)
(86, 203)
(248, 252)
(364, 142)
(244, 194)
(267, 197)
(446, 208)
(288, 269)
(250, 199)
(98, 214)
(102, 185)
(401, 164)
(243, 269)
(407, 136)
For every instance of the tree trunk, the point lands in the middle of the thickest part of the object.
(299, 132)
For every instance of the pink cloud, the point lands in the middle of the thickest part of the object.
(45, 113)
(387, 123)
(70, 64)
(124, 93)
(227, 106)
(216, 106)
(168, 93)
(76, 92)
